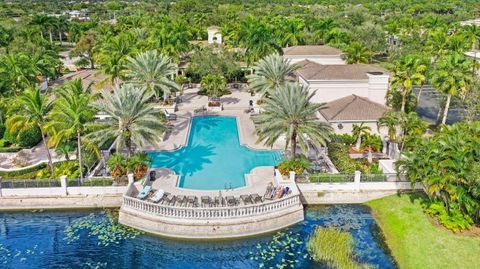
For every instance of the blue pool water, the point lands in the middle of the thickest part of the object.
(213, 158)
(40, 240)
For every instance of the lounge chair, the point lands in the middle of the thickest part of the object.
(206, 200)
(256, 198)
(180, 199)
(170, 116)
(192, 200)
(169, 198)
(270, 192)
(279, 192)
(144, 193)
(157, 196)
(231, 201)
(246, 199)
(219, 201)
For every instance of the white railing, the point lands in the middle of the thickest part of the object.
(212, 212)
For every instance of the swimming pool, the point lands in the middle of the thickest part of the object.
(213, 158)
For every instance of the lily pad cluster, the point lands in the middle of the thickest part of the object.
(285, 250)
(106, 230)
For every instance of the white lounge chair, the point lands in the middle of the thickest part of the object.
(157, 196)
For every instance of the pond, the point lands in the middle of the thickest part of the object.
(62, 240)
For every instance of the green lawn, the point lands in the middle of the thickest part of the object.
(415, 242)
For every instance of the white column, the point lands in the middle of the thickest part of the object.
(292, 176)
(130, 179)
(356, 180)
(64, 185)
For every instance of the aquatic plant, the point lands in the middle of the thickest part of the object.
(282, 251)
(334, 247)
(107, 230)
(6, 253)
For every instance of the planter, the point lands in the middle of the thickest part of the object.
(214, 106)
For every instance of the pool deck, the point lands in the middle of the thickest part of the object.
(235, 105)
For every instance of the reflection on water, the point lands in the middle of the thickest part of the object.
(39, 240)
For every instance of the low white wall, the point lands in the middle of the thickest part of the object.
(33, 192)
(110, 190)
(347, 193)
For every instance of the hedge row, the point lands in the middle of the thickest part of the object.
(10, 149)
(17, 173)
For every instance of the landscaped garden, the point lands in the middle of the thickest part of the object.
(417, 240)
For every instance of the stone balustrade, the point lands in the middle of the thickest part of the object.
(212, 213)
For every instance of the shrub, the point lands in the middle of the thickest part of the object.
(453, 220)
(333, 247)
(23, 172)
(118, 165)
(9, 137)
(29, 137)
(139, 164)
(298, 165)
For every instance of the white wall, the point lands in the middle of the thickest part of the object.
(320, 59)
(329, 90)
(212, 34)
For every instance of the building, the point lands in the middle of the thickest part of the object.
(317, 54)
(343, 113)
(332, 82)
(354, 93)
(214, 35)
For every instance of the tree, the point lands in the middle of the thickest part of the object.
(359, 131)
(289, 113)
(452, 76)
(153, 72)
(214, 84)
(85, 47)
(270, 74)
(407, 72)
(257, 38)
(70, 115)
(391, 120)
(357, 54)
(113, 57)
(131, 119)
(31, 109)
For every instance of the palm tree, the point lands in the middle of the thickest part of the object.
(257, 37)
(391, 119)
(31, 109)
(130, 118)
(407, 72)
(359, 131)
(357, 54)
(70, 115)
(153, 72)
(289, 113)
(113, 57)
(452, 76)
(271, 73)
(214, 84)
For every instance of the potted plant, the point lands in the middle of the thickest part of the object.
(297, 164)
(117, 164)
(214, 85)
(138, 164)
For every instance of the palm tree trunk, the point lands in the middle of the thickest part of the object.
(128, 144)
(49, 156)
(293, 144)
(60, 37)
(447, 106)
(359, 142)
(404, 101)
(51, 36)
(79, 146)
(419, 95)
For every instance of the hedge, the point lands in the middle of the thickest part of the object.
(10, 149)
(29, 138)
(16, 173)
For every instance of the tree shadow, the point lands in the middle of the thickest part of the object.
(184, 161)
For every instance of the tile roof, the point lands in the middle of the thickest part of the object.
(314, 71)
(354, 108)
(311, 50)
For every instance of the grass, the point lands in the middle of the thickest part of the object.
(416, 242)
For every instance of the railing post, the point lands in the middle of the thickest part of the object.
(292, 176)
(64, 185)
(356, 180)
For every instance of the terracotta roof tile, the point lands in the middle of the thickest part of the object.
(353, 108)
(311, 50)
(314, 71)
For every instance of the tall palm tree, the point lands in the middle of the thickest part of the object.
(113, 56)
(271, 73)
(358, 131)
(357, 54)
(130, 118)
(452, 76)
(289, 113)
(153, 72)
(30, 110)
(407, 72)
(257, 37)
(70, 115)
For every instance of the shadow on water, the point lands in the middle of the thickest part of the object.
(186, 160)
(206, 123)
